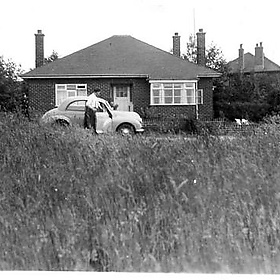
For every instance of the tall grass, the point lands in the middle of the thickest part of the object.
(74, 201)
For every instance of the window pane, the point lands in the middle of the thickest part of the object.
(61, 87)
(199, 96)
(156, 92)
(156, 100)
(178, 85)
(168, 100)
(190, 96)
(71, 87)
(121, 91)
(157, 85)
(168, 96)
(167, 85)
(177, 95)
(189, 84)
(168, 92)
(71, 93)
(82, 92)
(190, 100)
(60, 96)
(190, 92)
(177, 92)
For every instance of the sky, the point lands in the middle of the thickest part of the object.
(71, 25)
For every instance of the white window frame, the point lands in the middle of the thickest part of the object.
(199, 96)
(69, 90)
(186, 87)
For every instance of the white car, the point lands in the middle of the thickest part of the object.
(72, 110)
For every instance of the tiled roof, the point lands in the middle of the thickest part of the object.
(249, 62)
(122, 56)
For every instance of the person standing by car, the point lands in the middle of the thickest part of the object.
(91, 108)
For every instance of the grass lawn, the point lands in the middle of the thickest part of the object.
(74, 201)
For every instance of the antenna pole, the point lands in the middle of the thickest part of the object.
(194, 22)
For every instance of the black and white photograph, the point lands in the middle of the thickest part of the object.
(139, 136)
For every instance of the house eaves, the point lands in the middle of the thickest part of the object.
(212, 75)
(73, 76)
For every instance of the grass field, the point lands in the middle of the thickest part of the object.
(72, 201)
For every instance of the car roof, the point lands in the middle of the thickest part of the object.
(68, 100)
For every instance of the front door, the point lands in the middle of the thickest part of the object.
(122, 97)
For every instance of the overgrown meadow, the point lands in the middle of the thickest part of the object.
(70, 200)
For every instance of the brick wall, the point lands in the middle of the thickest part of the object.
(42, 92)
(42, 96)
(205, 110)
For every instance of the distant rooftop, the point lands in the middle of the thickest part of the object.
(249, 64)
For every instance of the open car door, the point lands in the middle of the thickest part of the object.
(103, 119)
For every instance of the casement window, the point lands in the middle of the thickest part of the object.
(175, 93)
(63, 91)
(199, 96)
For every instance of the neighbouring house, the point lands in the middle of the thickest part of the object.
(249, 64)
(253, 86)
(130, 73)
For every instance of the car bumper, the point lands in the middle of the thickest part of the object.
(140, 130)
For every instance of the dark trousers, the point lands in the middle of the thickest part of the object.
(90, 118)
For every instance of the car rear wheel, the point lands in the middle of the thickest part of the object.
(61, 123)
(126, 129)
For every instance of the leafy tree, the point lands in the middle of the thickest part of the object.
(238, 99)
(247, 96)
(191, 51)
(54, 56)
(11, 87)
(214, 56)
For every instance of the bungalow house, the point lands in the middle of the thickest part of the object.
(130, 73)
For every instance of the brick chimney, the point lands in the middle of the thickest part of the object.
(39, 49)
(259, 57)
(201, 59)
(241, 62)
(176, 45)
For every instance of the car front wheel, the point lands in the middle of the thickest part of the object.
(126, 129)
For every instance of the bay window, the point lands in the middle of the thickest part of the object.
(175, 93)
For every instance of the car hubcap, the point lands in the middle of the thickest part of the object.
(126, 131)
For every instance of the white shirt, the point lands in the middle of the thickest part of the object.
(93, 102)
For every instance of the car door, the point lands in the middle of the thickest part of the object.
(103, 120)
(75, 111)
